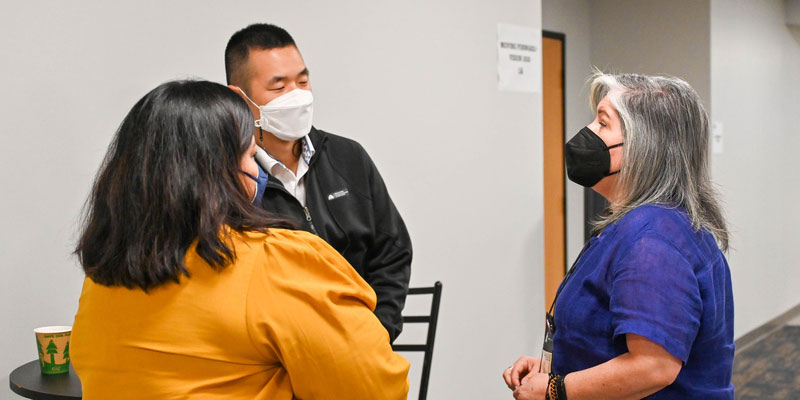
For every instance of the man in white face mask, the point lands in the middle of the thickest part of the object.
(325, 183)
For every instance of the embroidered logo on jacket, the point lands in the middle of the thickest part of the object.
(336, 195)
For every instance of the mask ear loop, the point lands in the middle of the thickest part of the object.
(258, 121)
(246, 97)
(249, 175)
(609, 148)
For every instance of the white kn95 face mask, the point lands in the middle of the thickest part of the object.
(288, 116)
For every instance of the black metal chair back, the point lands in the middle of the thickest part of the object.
(427, 348)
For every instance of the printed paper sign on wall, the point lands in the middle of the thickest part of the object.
(519, 59)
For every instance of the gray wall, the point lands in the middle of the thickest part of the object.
(414, 82)
(572, 18)
(755, 81)
(654, 37)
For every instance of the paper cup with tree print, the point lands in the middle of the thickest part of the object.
(53, 345)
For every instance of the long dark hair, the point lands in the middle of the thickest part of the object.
(170, 178)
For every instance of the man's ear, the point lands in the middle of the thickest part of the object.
(240, 92)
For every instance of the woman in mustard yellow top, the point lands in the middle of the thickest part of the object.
(192, 292)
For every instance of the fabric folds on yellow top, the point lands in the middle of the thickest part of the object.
(290, 318)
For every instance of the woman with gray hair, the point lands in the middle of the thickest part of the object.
(647, 309)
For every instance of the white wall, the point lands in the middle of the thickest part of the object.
(755, 70)
(572, 18)
(414, 82)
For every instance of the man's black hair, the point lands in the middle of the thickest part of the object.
(255, 36)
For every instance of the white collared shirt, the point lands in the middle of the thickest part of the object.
(293, 182)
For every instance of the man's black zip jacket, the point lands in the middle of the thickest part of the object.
(349, 206)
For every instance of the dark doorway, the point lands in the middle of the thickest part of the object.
(593, 206)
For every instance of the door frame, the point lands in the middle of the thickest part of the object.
(562, 38)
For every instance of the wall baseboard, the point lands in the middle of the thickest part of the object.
(770, 326)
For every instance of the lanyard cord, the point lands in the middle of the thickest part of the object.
(569, 274)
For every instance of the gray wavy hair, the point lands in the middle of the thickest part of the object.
(665, 158)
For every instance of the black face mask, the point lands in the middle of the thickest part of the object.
(587, 158)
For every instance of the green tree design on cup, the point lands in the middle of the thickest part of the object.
(52, 349)
(54, 358)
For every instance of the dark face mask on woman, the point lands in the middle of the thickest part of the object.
(588, 160)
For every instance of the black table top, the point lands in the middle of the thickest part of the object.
(28, 381)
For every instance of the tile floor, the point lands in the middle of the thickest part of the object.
(770, 368)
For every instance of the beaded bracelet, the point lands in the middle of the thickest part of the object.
(551, 392)
(562, 390)
(555, 388)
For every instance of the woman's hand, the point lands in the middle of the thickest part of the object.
(515, 374)
(534, 387)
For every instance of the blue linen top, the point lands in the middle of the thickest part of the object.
(653, 275)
